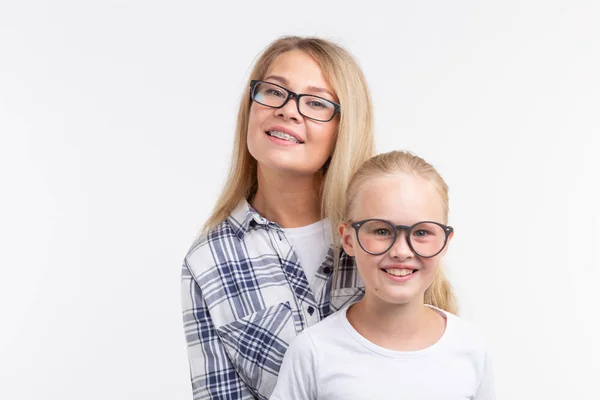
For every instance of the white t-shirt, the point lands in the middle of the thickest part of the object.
(311, 244)
(332, 361)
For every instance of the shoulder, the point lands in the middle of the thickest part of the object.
(467, 332)
(322, 335)
(201, 255)
(467, 339)
(219, 245)
(313, 341)
(302, 344)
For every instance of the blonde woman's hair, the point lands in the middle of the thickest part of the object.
(440, 293)
(354, 143)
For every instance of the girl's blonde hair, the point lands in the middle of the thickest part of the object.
(440, 293)
(354, 143)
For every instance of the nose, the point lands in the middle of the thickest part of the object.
(401, 249)
(289, 110)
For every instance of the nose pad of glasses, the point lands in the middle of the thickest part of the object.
(401, 247)
(289, 102)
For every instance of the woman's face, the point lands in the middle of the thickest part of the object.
(314, 141)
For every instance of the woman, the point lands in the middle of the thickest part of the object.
(263, 269)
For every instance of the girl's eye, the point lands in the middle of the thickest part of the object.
(376, 229)
(421, 233)
(382, 232)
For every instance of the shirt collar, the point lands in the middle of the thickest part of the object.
(244, 218)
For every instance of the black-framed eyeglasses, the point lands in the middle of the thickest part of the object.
(426, 238)
(310, 106)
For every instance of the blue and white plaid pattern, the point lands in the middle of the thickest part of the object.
(245, 297)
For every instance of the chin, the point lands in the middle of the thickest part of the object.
(287, 165)
(397, 301)
(396, 297)
(291, 168)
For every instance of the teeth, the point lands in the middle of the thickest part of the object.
(284, 136)
(399, 272)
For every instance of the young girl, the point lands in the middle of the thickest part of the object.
(402, 339)
(262, 269)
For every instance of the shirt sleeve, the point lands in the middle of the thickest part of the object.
(486, 389)
(298, 374)
(212, 373)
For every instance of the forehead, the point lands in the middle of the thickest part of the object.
(401, 198)
(299, 72)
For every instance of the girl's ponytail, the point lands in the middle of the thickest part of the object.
(440, 294)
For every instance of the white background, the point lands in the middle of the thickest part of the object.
(116, 124)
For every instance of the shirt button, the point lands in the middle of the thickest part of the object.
(310, 310)
(327, 270)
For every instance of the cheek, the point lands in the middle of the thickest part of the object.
(367, 264)
(430, 268)
(253, 120)
(325, 134)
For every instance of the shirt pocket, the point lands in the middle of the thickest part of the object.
(256, 344)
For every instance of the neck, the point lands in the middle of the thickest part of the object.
(403, 327)
(289, 200)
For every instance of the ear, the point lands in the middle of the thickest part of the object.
(347, 238)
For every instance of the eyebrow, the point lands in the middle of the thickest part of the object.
(284, 81)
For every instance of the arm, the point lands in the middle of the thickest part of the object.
(298, 374)
(212, 373)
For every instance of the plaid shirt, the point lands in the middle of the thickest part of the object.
(245, 298)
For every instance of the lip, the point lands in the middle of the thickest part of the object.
(285, 130)
(399, 278)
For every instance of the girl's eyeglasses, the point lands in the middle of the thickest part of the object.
(426, 239)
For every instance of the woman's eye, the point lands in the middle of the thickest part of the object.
(317, 104)
(274, 92)
(421, 233)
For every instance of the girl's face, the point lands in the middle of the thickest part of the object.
(403, 200)
(314, 141)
